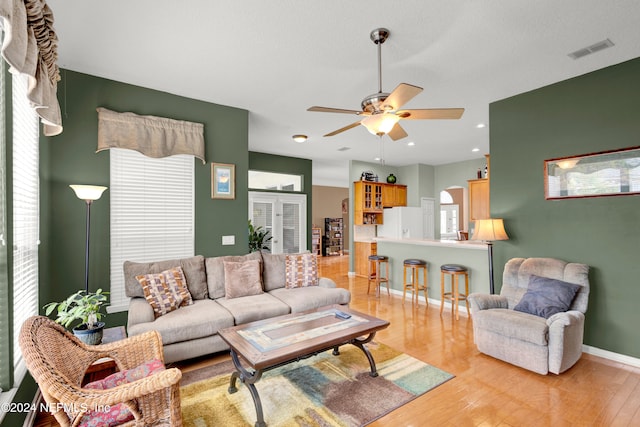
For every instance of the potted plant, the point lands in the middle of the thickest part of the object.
(258, 237)
(83, 307)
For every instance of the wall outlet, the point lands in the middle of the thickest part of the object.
(228, 240)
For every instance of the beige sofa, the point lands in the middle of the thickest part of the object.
(192, 330)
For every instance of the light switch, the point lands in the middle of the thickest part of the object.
(229, 240)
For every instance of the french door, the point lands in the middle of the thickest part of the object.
(284, 216)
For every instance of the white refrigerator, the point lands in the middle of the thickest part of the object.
(402, 223)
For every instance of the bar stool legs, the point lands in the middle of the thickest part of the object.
(412, 281)
(454, 271)
(375, 272)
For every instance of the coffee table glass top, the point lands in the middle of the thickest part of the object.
(287, 331)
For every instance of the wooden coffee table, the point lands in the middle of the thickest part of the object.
(270, 343)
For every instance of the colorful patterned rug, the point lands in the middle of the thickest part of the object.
(323, 390)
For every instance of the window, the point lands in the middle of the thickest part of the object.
(284, 216)
(152, 213)
(273, 181)
(26, 226)
(5, 359)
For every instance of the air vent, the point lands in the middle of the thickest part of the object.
(591, 49)
(344, 148)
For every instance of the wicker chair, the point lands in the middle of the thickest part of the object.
(58, 361)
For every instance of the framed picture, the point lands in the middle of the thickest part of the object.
(609, 173)
(223, 181)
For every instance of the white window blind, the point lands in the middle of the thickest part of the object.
(26, 213)
(152, 213)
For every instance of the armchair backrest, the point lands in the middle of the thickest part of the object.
(515, 279)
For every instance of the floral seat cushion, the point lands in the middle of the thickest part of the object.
(118, 414)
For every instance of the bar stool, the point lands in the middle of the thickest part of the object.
(454, 271)
(412, 281)
(375, 272)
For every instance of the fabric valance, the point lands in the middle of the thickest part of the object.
(150, 135)
(30, 47)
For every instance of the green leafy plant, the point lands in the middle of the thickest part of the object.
(81, 306)
(258, 237)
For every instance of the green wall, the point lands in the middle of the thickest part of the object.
(591, 113)
(70, 158)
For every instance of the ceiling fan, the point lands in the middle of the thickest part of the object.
(382, 111)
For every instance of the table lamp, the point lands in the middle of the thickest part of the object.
(489, 230)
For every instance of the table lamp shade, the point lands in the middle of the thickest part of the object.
(489, 230)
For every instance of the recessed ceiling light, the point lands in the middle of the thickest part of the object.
(377, 159)
(481, 125)
(299, 138)
(411, 144)
(475, 150)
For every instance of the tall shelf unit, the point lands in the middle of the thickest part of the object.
(333, 233)
(316, 240)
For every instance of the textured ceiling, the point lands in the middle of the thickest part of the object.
(277, 58)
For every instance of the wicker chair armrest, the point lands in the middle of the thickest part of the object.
(93, 399)
(132, 351)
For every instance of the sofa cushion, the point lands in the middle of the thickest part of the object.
(202, 319)
(215, 271)
(513, 324)
(273, 271)
(301, 299)
(546, 297)
(165, 291)
(254, 307)
(242, 279)
(192, 267)
(301, 270)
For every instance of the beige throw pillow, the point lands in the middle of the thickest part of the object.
(165, 291)
(301, 270)
(242, 279)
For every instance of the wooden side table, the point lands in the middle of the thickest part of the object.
(106, 366)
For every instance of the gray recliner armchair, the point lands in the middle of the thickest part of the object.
(550, 339)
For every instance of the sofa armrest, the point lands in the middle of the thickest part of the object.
(325, 282)
(140, 311)
(486, 302)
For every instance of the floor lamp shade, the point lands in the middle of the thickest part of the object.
(489, 230)
(88, 193)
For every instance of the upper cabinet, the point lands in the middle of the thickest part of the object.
(371, 197)
(479, 196)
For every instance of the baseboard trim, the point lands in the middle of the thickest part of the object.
(610, 355)
(30, 419)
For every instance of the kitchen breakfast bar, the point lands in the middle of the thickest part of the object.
(471, 254)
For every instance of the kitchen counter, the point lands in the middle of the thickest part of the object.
(458, 244)
(471, 254)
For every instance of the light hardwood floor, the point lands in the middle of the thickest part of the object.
(485, 391)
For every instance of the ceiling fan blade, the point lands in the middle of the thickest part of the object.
(431, 114)
(402, 94)
(397, 132)
(332, 110)
(351, 126)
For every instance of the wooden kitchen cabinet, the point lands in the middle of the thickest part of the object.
(479, 196)
(362, 252)
(394, 195)
(367, 204)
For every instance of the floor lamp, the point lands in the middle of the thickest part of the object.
(489, 230)
(88, 193)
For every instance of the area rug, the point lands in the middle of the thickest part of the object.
(324, 390)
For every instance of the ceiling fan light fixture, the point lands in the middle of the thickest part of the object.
(299, 138)
(380, 124)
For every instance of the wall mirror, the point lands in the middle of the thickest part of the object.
(610, 173)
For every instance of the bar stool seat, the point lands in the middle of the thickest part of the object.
(412, 282)
(454, 271)
(376, 262)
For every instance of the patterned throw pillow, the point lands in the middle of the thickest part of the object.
(165, 291)
(301, 270)
(242, 279)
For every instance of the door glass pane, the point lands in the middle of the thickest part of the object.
(263, 217)
(291, 228)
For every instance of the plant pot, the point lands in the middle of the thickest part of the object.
(89, 336)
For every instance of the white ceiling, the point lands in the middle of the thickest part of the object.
(277, 58)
